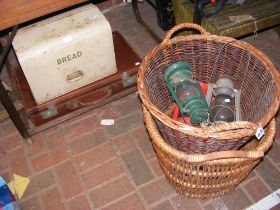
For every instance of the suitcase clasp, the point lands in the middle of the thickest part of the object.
(128, 80)
(51, 111)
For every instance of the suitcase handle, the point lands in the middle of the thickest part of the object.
(91, 98)
(89, 103)
(75, 76)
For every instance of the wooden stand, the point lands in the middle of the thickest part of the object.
(232, 20)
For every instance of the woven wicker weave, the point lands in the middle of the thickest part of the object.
(210, 175)
(211, 56)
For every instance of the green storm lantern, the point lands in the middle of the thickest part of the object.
(186, 92)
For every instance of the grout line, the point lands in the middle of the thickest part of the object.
(60, 190)
(91, 149)
(147, 161)
(40, 193)
(247, 194)
(130, 178)
(96, 165)
(263, 181)
(107, 182)
(157, 202)
(79, 175)
(116, 200)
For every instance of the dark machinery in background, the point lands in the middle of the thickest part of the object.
(200, 5)
(166, 17)
(165, 14)
(217, 5)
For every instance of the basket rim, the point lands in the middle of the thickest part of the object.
(229, 130)
(222, 157)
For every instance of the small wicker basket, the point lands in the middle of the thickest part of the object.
(209, 175)
(211, 57)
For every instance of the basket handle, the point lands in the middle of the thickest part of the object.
(184, 26)
(226, 155)
(215, 130)
(251, 154)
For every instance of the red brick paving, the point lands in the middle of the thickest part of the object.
(81, 165)
(137, 167)
(88, 141)
(124, 143)
(237, 200)
(32, 203)
(79, 203)
(49, 158)
(54, 137)
(103, 173)
(18, 162)
(132, 202)
(95, 156)
(181, 203)
(38, 146)
(156, 190)
(9, 142)
(165, 205)
(256, 189)
(52, 199)
(69, 179)
(110, 191)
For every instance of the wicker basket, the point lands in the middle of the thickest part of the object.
(209, 175)
(211, 56)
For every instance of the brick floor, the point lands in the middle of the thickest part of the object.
(81, 165)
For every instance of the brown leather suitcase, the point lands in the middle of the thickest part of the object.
(88, 97)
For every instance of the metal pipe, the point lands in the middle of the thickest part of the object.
(140, 20)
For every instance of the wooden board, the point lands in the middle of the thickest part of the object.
(14, 12)
(265, 13)
(92, 95)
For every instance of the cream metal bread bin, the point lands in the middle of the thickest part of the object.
(65, 52)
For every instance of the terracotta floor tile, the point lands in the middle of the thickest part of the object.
(69, 179)
(39, 182)
(79, 203)
(137, 167)
(124, 142)
(33, 203)
(10, 142)
(156, 190)
(111, 191)
(49, 159)
(130, 202)
(88, 141)
(19, 162)
(257, 189)
(165, 205)
(102, 173)
(51, 199)
(95, 156)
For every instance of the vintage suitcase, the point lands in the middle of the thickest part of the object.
(90, 96)
(65, 52)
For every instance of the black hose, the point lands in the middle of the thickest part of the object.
(202, 3)
(140, 20)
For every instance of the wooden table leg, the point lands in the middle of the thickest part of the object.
(5, 99)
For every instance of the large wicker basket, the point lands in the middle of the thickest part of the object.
(209, 175)
(211, 56)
